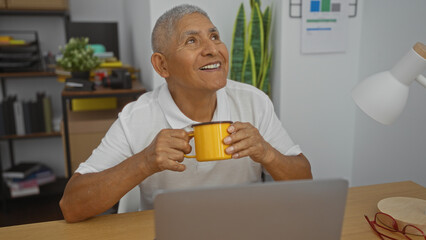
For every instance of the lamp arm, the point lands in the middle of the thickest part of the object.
(422, 80)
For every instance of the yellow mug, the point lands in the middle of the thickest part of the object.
(208, 137)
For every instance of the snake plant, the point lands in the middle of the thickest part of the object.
(250, 52)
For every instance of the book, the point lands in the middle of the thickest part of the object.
(15, 193)
(40, 177)
(19, 118)
(47, 112)
(23, 183)
(2, 129)
(21, 170)
(35, 121)
(9, 116)
(26, 105)
(40, 112)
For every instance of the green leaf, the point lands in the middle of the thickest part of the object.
(267, 16)
(253, 2)
(256, 37)
(257, 62)
(249, 69)
(264, 84)
(238, 43)
(77, 57)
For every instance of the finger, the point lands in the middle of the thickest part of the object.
(165, 142)
(238, 147)
(180, 133)
(180, 145)
(173, 166)
(236, 126)
(240, 135)
(175, 155)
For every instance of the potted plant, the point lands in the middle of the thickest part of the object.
(250, 52)
(78, 58)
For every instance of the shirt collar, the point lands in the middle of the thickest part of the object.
(178, 120)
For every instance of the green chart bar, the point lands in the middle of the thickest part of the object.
(325, 6)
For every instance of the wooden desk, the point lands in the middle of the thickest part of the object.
(363, 200)
(140, 225)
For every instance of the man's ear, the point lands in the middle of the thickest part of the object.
(159, 63)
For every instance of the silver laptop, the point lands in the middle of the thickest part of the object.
(300, 210)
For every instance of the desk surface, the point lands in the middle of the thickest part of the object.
(137, 89)
(140, 225)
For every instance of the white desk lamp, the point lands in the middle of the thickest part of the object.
(383, 96)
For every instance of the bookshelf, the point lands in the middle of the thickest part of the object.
(17, 75)
(51, 13)
(60, 183)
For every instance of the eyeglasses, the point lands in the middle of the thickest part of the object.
(388, 223)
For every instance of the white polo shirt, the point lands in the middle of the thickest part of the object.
(140, 121)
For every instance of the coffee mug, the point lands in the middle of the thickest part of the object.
(208, 137)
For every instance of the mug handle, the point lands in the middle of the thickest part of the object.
(190, 156)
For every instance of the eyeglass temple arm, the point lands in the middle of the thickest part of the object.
(420, 49)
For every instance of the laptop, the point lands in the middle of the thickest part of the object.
(302, 209)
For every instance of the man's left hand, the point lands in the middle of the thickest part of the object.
(245, 140)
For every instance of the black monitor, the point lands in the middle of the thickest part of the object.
(105, 33)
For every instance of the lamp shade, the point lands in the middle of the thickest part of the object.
(383, 96)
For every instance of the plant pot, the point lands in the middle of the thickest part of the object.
(81, 75)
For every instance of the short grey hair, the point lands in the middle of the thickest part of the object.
(165, 25)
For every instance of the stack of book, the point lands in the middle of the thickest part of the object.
(24, 179)
(25, 117)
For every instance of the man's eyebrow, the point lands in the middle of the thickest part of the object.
(190, 32)
(194, 32)
(213, 29)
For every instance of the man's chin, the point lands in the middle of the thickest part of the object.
(221, 83)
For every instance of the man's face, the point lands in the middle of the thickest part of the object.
(197, 59)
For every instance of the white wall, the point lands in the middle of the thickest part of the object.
(316, 107)
(396, 152)
(138, 21)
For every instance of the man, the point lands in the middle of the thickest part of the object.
(146, 145)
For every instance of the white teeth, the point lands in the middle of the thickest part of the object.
(211, 66)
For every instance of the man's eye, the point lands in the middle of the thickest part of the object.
(189, 41)
(215, 37)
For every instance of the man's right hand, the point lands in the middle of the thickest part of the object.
(166, 151)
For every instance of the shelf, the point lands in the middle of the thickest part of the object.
(137, 89)
(32, 135)
(14, 46)
(10, 12)
(27, 74)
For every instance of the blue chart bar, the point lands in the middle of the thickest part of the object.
(315, 6)
(319, 29)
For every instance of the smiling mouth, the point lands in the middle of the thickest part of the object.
(211, 66)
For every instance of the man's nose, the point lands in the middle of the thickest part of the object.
(209, 48)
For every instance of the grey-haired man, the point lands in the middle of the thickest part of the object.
(146, 145)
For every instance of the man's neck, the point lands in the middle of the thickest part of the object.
(199, 107)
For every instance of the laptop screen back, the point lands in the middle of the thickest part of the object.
(275, 210)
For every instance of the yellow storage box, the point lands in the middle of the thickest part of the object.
(90, 104)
